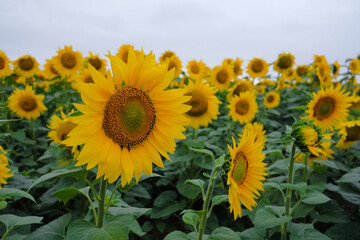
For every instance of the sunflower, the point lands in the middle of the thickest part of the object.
(167, 54)
(26, 66)
(301, 72)
(60, 128)
(355, 66)
(84, 77)
(196, 69)
(281, 84)
(26, 104)
(257, 68)
(258, 130)
(97, 62)
(174, 62)
(323, 72)
(328, 107)
(67, 62)
(49, 70)
(5, 69)
(335, 69)
(246, 173)
(204, 104)
(272, 99)
(235, 65)
(123, 52)
(129, 121)
(284, 62)
(355, 102)
(41, 81)
(289, 74)
(240, 87)
(318, 59)
(221, 76)
(4, 170)
(243, 107)
(350, 133)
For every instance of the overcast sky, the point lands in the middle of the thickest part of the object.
(204, 29)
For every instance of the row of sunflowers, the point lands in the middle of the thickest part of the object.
(79, 140)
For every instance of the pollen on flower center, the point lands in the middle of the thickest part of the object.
(68, 60)
(222, 76)
(27, 103)
(353, 133)
(324, 108)
(129, 117)
(270, 99)
(195, 69)
(285, 62)
(198, 103)
(242, 107)
(95, 62)
(26, 64)
(240, 168)
(257, 66)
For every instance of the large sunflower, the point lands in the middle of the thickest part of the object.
(204, 104)
(5, 69)
(123, 52)
(350, 133)
(355, 66)
(97, 62)
(67, 62)
(26, 104)
(60, 128)
(240, 87)
(272, 99)
(258, 130)
(329, 107)
(284, 62)
(174, 62)
(26, 66)
(257, 68)
(196, 69)
(221, 76)
(243, 107)
(4, 170)
(129, 121)
(247, 171)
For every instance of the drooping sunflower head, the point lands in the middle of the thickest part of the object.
(301, 72)
(128, 119)
(272, 99)
(123, 52)
(318, 59)
(204, 104)
(221, 76)
(4, 170)
(26, 66)
(26, 104)
(329, 107)
(355, 66)
(174, 62)
(350, 133)
(243, 107)
(307, 136)
(257, 129)
(95, 61)
(167, 54)
(257, 68)
(196, 69)
(335, 69)
(5, 68)
(284, 62)
(246, 173)
(60, 128)
(241, 86)
(67, 62)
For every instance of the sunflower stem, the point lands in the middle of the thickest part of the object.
(33, 136)
(305, 169)
(102, 194)
(288, 190)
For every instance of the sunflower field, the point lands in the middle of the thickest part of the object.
(142, 147)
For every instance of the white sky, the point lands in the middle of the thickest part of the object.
(204, 29)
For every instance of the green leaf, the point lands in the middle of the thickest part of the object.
(3, 204)
(53, 230)
(166, 204)
(205, 151)
(272, 186)
(350, 192)
(176, 235)
(219, 199)
(68, 193)
(300, 187)
(330, 212)
(265, 218)
(191, 219)
(274, 151)
(133, 211)
(187, 190)
(69, 172)
(302, 108)
(252, 234)
(315, 197)
(344, 231)
(13, 192)
(20, 137)
(220, 161)
(327, 163)
(197, 182)
(223, 233)
(353, 176)
(12, 221)
(75, 114)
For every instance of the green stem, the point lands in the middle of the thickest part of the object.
(288, 190)
(305, 169)
(92, 189)
(102, 194)
(33, 136)
(111, 196)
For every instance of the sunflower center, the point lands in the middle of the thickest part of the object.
(26, 64)
(270, 99)
(242, 107)
(125, 56)
(236, 68)
(301, 71)
(257, 66)
(88, 79)
(129, 117)
(53, 70)
(64, 130)
(68, 60)
(27, 103)
(195, 69)
(2, 63)
(324, 108)
(171, 65)
(168, 55)
(240, 168)
(353, 133)
(239, 89)
(285, 62)
(335, 69)
(95, 62)
(222, 76)
(198, 103)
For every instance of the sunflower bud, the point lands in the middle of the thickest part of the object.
(307, 136)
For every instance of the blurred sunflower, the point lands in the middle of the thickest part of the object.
(67, 62)
(257, 68)
(26, 104)
(257, 129)
(60, 128)
(243, 107)
(49, 70)
(196, 69)
(323, 72)
(97, 62)
(355, 102)
(26, 66)
(289, 74)
(174, 62)
(235, 65)
(284, 62)
(318, 59)
(4, 170)
(301, 72)
(355, 66)
(240, 87)
(221, 76)
(123, 52)
(246, 174)
(335, 69)
(329, 107)
(204, 104)
(350, 133)
(5, 69)
(41, 81)
(129, 121)
(167, 54)
(272, 99)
